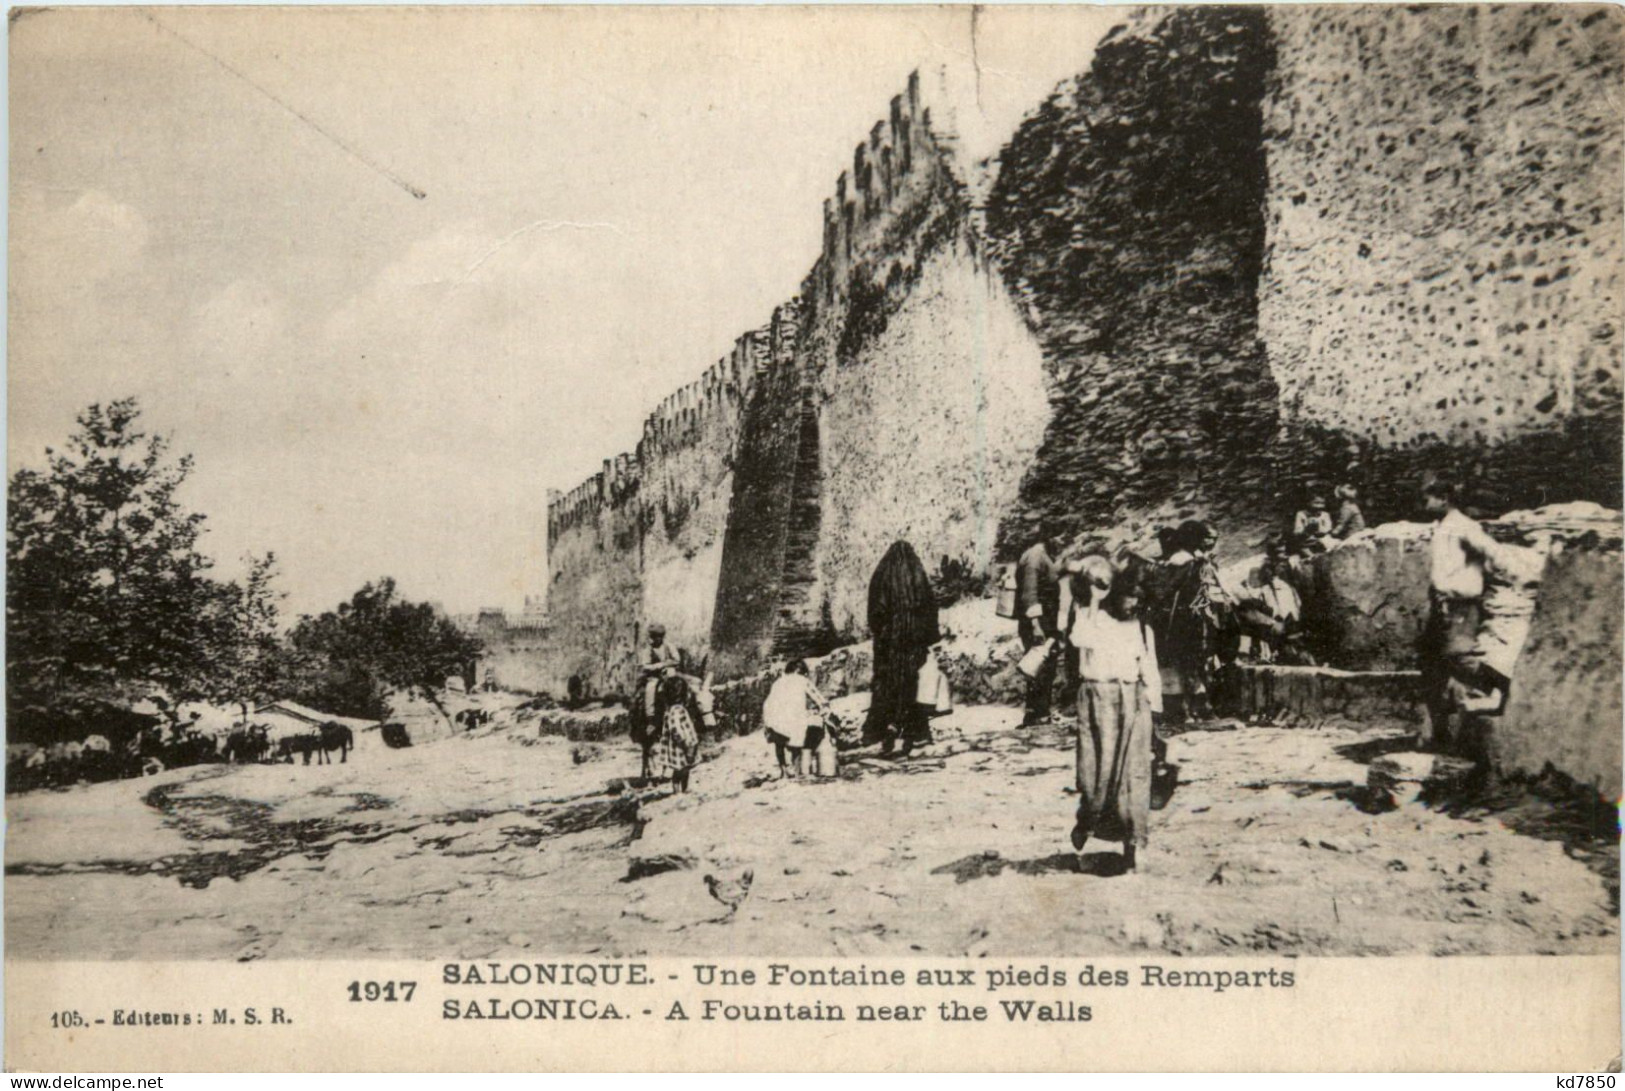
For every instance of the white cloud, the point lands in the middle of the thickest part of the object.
(73, 245)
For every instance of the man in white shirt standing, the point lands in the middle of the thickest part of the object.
(1456, 556)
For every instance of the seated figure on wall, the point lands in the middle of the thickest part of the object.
(1350, 519)
(1269, 611)
(1310, 527)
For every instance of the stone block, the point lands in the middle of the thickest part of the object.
(1564, 707)
(1408, 777)
(844, 671)
(985, 674)
(1367, 599)
(1308, 696)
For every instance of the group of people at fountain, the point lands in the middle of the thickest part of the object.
(1135, 641)
(1142, 642)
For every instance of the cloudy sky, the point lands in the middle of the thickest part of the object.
(212, 210)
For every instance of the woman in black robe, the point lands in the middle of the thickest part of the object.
(903, 625)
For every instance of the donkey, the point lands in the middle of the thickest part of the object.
(335, 737)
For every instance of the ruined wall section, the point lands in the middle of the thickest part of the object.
(1564, 711)
(1444, 229)
(1127, 219)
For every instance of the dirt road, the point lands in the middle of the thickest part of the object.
(505, 844)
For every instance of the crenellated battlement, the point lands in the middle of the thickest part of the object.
(574, 506)
(686, 415)
(609, 487)
(681, 420)
(891, 171)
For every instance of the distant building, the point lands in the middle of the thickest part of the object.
(491, 623)
(533, 616)
(515, 653)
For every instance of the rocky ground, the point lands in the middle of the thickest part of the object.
(503, 842)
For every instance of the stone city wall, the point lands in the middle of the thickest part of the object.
(929, 387)
(594, 582)
(1128, 219)
(1441, 287)
(1244, 249)
(686, 461)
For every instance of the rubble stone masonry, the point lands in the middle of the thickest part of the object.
(1442, 282)
(1128, 217)
(1244, 249)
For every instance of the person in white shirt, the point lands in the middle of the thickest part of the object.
(1085, 579)
(793, 716)
(1457, 553)
(1120, 690)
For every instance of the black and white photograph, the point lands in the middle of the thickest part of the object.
(841, 484)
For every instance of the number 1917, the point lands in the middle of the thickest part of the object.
(387, 991)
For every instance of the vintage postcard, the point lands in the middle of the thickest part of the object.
(814, 538)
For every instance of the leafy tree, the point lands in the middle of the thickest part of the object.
(105, 587)
(108, 598)
(354, 657)
(248, 661)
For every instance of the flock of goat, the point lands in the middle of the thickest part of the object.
(153, 750)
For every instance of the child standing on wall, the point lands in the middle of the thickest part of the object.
(793, 710)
